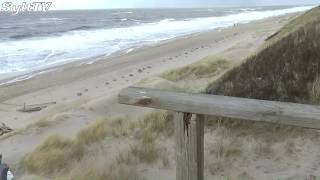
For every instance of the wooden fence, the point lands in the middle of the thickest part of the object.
(189, 120)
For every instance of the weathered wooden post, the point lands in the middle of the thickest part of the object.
(189, 132)
(189, 120)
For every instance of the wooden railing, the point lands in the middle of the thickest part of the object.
(189, 120)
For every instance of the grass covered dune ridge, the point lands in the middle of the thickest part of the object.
(287, 69)
(123, 148)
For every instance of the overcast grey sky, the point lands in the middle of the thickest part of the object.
(101, 4)
(205, 3)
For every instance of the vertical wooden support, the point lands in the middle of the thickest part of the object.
(189, 130)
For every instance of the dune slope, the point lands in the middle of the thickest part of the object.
(286, 70)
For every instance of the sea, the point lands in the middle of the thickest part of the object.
(37, 40)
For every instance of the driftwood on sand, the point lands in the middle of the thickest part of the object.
(4, 129)
(34, 107)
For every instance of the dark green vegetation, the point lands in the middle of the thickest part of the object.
(286, 70)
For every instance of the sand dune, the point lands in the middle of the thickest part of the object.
(86, 91)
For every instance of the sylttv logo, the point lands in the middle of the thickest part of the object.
(15, 9)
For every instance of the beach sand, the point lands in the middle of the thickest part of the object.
(87, 90)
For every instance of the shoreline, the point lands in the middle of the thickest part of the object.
(9, 78)
(90, 63)
(87, 92)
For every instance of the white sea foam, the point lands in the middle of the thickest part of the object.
(128, 12)
(26, 77)
(52, 19)
(129, 50)
(37, 52)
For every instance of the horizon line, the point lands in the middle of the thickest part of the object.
(208, 7)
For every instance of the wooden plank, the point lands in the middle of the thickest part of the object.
(189, 132)
(248, 109)
(35, 107)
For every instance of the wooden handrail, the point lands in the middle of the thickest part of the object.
(302, 115)
(189, 120)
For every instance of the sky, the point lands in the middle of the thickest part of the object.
(109, 4)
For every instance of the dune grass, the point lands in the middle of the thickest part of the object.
(53, 155)
(96, 167)
(56, 154)
(233, 143)
(315, 91)
(158, 121)
(153, 125)
(308, 17)
(282, 71)
(60, 157)
(207, 67)
(95, 132)
(286, 70)
(145, 151)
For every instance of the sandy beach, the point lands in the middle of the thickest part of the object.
(87, 90)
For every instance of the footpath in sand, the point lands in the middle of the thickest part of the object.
(85, 91)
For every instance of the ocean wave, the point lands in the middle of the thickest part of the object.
(52, 19)
(248, 9)
(126, 12)
(81, 28)
(84, 42)
(10, 27)
(126, 19)
(21, 36)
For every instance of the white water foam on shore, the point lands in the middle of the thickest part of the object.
(38, 52)
(26, 77)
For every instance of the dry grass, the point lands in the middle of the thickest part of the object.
(143, 151)
(165, 158)
(153, 125)
(146, 152)
(56, 154)
(51, 156)
(315, 91)
(235, 146)
(120, 126)
(61, 157)
(120, 172)
(224, 146)
(32, 177)
(93, 133)
(207, 67)
(41, 124)
(96, 167)
(158, 122)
